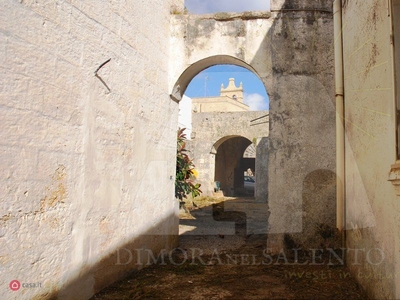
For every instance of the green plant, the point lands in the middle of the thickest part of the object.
(184, 180)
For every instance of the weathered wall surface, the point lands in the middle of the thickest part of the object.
(222, 104)
(212, 129)
(238, 38)
(373, 210)
(301, 4)
(302, 118)
(86, 161)
(291, 50)
(261, 172)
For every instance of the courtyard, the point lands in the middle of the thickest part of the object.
(215, 260)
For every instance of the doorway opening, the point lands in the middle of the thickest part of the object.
(233, 169)
(227, 99)
(226, 135)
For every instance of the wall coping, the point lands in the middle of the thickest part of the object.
(229, 16)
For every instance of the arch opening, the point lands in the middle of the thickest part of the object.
(186, 77)
(225, 88)
(227, 117)
(234, 171)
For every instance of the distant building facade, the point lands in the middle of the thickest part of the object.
(225, 140)
(230, 99)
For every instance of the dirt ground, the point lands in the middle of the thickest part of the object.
(218, 258)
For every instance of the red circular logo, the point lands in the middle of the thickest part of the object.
(15, 285)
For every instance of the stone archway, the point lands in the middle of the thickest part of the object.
(230, 164)
(189, 73)
(230, 124)
(290, 51)
(214, 129)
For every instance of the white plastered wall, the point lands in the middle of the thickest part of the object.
(87, 162)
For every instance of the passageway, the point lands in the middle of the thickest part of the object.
(230, 166)
(221, 257)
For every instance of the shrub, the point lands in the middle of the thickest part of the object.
(184, 180)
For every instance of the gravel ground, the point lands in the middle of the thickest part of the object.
(219, 258)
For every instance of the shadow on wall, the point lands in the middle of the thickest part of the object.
(119, 263)
(319, 224)
(302, 136)
(295, 63)
(301, 144)
(261, 170)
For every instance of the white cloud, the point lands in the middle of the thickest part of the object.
(256, 102)
(211, 6)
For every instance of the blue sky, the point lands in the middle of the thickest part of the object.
(212, 6)
(208, 83)
(255, 95)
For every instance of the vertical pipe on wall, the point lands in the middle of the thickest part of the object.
(394, 14)
(340, 129)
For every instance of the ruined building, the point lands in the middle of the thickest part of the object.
(89, 110)
(223, 129)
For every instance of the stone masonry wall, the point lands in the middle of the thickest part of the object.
(301, 187)
(291, 50)
(372, 206)
(87, 163)
(212, 129)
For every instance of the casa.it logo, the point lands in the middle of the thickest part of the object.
(15, 285)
